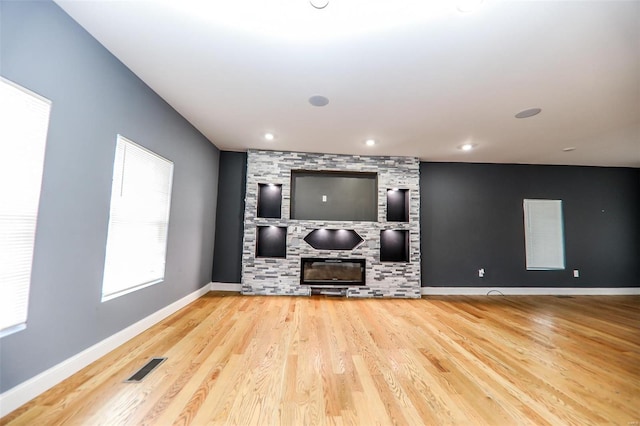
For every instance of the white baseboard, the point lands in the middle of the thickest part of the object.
(29, 389)
(523, 291)
(226, 287)
(483, 291)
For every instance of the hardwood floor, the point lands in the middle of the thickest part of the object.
(495, 360)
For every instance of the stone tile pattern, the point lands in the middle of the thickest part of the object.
(281, 276)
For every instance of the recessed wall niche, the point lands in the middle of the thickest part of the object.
(333, 239)
(269, 200)
(271, 241)
(394, 245)
(397, 205)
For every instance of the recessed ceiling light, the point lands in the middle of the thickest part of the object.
(528, 113)
(467, 146)
(318, 100)
(269, 136)
(370, 142)
(319, 4)
(467, 6)
(569, 149)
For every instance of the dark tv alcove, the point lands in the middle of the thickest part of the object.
(337, 196)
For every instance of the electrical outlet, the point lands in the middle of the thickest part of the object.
(324, 198)
(481, 273)
(576, 273)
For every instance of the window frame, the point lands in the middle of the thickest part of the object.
(544, 235)
(119, 186)
(21, 224)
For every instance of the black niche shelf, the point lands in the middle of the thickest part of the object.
(333, 239)
(269, 200)
(271, 241)
(397, 205)
(394, 245)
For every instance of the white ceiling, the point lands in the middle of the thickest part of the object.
(420, 77)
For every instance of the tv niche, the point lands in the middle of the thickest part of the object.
(338, 196)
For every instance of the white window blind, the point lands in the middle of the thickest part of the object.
(138, 220)
(544, 234)
(24, 121)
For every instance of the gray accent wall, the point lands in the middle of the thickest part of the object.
(94, 97)
(472, 218)
(227, 263)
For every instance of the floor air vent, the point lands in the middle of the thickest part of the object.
(337, 292)
(139, 375)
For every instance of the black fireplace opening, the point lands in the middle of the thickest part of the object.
(332, 272)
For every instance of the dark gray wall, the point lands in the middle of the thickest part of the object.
(227, 263)
(95, 97)
(472, 217)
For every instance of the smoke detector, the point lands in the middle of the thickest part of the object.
(319, 4)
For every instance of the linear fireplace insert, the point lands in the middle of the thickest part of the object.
(332, 272)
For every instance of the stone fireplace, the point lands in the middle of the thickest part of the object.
(275, 246)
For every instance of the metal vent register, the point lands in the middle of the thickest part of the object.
(139, 375)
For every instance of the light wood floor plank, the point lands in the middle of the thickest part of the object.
(491, 360)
